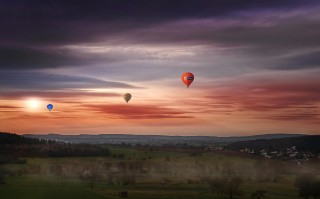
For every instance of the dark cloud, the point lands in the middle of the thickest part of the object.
(67, 22)
(263, 36)
(138, 9)
(42, 81)
(33, 33)
(20, 58)
(300, 61)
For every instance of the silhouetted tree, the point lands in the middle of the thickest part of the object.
(229, 186)
(20, 146)
(258, 194)
(88, 176)
(128, 179)
(316, 190)
(2, 180)
(218, 186)
(233, 186)
(91, 175)
(110, 179)
(309, 186)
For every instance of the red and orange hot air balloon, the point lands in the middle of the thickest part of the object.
(187, 78)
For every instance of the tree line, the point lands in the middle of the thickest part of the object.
(13, 145)
(309, 186)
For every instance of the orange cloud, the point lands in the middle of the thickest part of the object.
(130, 111)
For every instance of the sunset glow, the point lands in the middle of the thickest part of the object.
(256, 69)
(33, 104)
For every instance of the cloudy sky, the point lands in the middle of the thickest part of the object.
(256, 66)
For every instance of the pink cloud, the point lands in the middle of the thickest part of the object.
(130, 111)
(277, 98)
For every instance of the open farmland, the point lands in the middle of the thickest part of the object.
(152, 173)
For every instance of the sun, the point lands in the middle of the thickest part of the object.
(33, 104)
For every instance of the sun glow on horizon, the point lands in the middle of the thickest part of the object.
(33, 104)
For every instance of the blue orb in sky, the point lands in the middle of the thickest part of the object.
(49, 107)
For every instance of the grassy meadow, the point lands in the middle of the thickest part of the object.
(151, 173)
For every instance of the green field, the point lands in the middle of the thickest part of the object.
(145, 173)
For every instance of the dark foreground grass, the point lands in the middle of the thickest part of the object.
(34, 186)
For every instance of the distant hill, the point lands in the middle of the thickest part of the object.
(11, 138)
(13, 145)
(269, 136)
(302, 143)
(158, 140)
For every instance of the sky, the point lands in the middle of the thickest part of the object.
(256, 66)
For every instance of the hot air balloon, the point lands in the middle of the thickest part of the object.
(127, 97)
(187, 78)
(49, 107)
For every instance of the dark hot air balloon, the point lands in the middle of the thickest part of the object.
(127, 97)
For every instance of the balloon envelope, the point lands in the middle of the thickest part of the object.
(49, 107)
(187, 78)
(127, 97)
